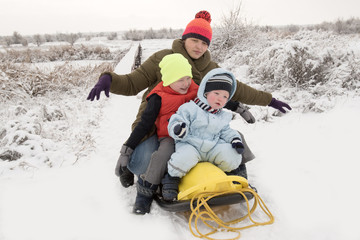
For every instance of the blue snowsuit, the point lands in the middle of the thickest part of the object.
(208, 135)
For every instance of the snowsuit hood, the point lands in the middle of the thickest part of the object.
(210, 74)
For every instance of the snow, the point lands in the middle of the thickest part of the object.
(305, 170)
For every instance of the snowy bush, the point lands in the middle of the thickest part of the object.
(291, 64)
(346, 72)
(37, 132)
(308, 69)
(22, 138)
(43, 112)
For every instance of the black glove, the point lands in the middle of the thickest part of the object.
(237, 144)
(180, 130)
(245, 113)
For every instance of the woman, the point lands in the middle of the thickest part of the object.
(194, 47)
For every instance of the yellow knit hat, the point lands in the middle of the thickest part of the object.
(173, 67)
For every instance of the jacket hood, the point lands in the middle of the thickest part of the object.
(211, 73)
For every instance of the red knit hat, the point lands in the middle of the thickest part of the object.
(199, 27)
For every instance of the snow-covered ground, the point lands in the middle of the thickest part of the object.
(306, 171)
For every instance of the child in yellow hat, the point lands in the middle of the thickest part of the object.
(175, 89)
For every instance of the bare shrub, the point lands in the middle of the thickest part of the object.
(231, 35)
(71, 38)
(48, 38)
(38, 39)
(8, 41)
(24, 42)
(134, 35)
(16, 38)
(112, 36)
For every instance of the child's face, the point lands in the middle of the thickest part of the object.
(217, 98)
(182, 85)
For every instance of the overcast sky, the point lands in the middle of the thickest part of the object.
(29, 17)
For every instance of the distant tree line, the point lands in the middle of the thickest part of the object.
(71, 38)
(164, 33)
(38, 39)
(340, 26)
(233, 22)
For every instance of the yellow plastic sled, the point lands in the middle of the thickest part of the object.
(206, 177)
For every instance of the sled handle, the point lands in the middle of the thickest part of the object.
(243, 183)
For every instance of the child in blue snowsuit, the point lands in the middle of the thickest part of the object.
(202, 132)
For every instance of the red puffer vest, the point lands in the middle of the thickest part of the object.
(170, 102)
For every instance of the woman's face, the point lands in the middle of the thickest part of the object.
(195, 47)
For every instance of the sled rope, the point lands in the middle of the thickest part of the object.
(203, 212)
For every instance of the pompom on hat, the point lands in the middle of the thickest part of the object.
(173, 67)
(199, 27)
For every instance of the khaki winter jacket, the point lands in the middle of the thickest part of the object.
(148, 76)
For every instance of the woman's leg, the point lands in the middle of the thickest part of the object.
(141, 156)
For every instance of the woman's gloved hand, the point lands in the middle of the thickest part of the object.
(102, 85)
(279, 105)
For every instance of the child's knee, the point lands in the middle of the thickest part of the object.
(230, 163)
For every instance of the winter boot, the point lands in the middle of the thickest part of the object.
(126, 177)
(170, 187)
(144, 196)
(240, 171)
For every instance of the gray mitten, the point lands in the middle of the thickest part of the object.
(245, 113)
(124, 158)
